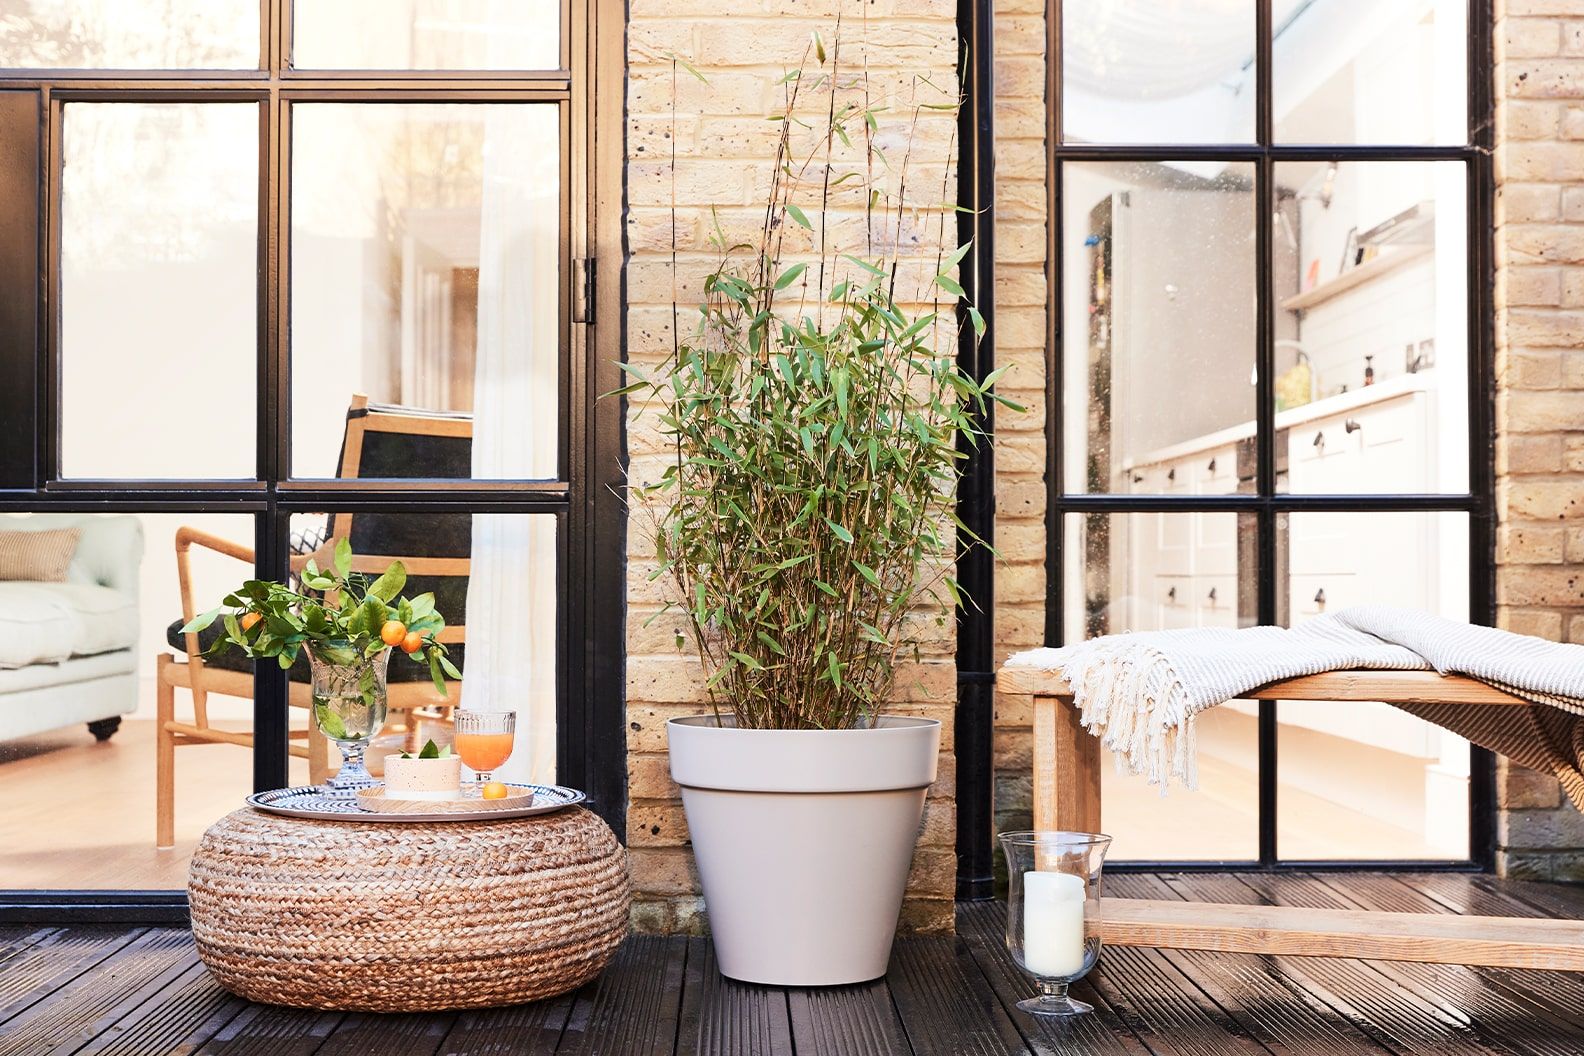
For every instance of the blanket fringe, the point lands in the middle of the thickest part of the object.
(1133, 700)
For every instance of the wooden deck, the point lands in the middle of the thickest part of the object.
(142, 992)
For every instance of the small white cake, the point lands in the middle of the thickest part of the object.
(409, 777)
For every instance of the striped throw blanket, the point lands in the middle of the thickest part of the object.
(1139, 693)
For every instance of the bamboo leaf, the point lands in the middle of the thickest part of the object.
(949, 284)
(789, 276)
(686, 65)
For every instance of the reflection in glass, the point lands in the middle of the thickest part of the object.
(426, 35)
(1142, 71)
(158, 290)
(1158, 294)
(1363, 780)
(1370, 281)
(1159, 571)
(1361, 71)
(425, 249)
(493, 577)
(129, 34)
(81, 699)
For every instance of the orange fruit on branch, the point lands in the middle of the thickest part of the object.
(412, 642)
(393, 632)
(248, 620)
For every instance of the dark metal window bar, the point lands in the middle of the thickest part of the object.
(1267, 505)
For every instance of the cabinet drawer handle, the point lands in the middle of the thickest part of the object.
(1171, 595)
(1212, 465)
(1137, 477)
(1319, 440)
(1320, 596)
(1212, 593)
(1352, 425)
(1171, 474)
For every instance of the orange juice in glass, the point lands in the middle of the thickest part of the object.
(484, 740)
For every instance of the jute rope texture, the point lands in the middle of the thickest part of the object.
(403, 918)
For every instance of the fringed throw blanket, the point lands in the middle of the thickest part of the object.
(1139, 693)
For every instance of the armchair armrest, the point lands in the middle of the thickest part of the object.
(187, 537)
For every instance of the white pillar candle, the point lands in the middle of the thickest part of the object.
(1053, 924)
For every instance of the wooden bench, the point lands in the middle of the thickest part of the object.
(1067, 796)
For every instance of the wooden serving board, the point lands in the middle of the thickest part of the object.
(471, 801)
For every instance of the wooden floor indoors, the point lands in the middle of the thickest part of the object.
(142, 992)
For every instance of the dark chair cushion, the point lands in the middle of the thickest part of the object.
(400, 669)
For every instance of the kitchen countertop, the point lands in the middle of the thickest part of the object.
(1326, 407)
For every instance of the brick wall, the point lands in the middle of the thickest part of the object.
(1021, 202)
(724, 148)
(1540, 382)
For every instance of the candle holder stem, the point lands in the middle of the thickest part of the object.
(1054, 1001)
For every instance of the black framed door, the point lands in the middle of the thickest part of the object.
(415, 125)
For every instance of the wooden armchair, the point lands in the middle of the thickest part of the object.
(380, 442)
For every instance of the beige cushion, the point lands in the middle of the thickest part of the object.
(37, 557)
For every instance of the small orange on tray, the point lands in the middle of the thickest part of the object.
(494, 790)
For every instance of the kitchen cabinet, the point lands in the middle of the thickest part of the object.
(1182, 568)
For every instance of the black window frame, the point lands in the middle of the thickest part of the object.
(1267, 505)
(585, 498)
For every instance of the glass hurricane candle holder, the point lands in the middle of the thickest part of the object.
(1053, 912)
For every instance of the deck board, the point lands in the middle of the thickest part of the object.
(1273, 1004)
(1148, 995)
(79, 1007)
(633, 1007)
(946, 1003)
(720, 1017)
(263, 1030)
(73, 991)
(1385, 999)
(857, 1020)
(520, 1030)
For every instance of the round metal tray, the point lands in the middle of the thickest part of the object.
(307, 801)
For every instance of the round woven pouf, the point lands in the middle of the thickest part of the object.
(406, 918)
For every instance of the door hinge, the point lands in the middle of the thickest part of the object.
(583, 291)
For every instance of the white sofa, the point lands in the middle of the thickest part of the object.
(67, 650)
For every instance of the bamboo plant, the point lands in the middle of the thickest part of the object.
(813, 410)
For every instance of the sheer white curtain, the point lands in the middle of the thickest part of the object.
(510, 662)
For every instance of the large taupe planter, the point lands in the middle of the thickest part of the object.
(804, 839)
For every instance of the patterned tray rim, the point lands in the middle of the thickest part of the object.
(547, 800)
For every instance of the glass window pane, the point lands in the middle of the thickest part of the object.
(79, 812)
(426, 35)
(426, 268)
(158, 290)
(1142, 71)
(1158, 299)
(129, 34)
(1360, 71)
(1363, 780)
(1155, 571)
(493, 576)
(1371, 284)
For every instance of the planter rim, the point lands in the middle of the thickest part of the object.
(892, 724)
(900, 753)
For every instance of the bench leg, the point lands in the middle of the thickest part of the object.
(1066, 769)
